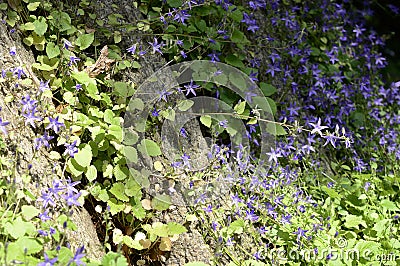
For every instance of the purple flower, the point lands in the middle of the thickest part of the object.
(286, 219)
(47, 199)
(44, 216)
(184, 55)
(157, 46)
(317, 127)
(185, 158)
(28, 104)
(214, 56)
(274, 155)
(223, 123)
(73, 60)
(71, 149)
(13, 51)
(190, 88)
(179, 42)
(77, 259)
(3, 126)
(54, 124)
(367, 185)
(251, 216)
(155, 113)
(43, 141)
(132, 49)
(300, 232)
(44, 85)
(183, 132)
(67, 44)
(30, 118)
(72, 198)
(19, 71)
(181, 16)
(163, 95)
(78, 87)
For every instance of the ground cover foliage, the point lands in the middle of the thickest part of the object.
(330, 195)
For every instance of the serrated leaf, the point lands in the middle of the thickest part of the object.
(152, 147)
(159, 229)
(353, 221)
(127, 240)
(85, 40)
(161, 202)
(29, 211)
(91, 173)
(118, 190)
(206, 120)
(240, 107)
(52, 50)
(130, 154)
(84, 156)
(185, 105)
(236, 227)
(389, 205)
(33, 6)
(175, 228)
(40, 26)
(120, 173)
(267, 89)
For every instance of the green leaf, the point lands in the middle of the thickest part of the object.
(236, 227)
(234, 61)
(353, 221)
(84, 156)
(130, 154)
(159, 229)
(133, 189)
(62, 20)
(240, 107)
(185, 105)
(108, 116)
(206, 120)
(136, 104)
(29, 211)
(174, 3)
(275, 129)
(120, 173)
(267, 89)
(152, 147)
(161, 202)
(85, 40)
(18, 228)
(33, 6)
(389, 205)
(138, 211)
(83, 78)
(127, 240)
(40, 26)
(175, 228)
(52, 50)
(91, 173)
(118, 190)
